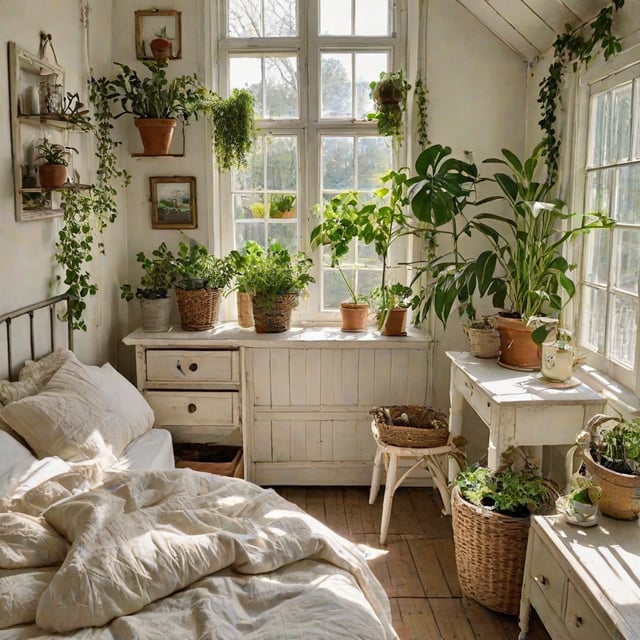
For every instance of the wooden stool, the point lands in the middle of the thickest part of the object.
(432, 459)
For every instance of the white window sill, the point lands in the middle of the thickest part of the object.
(619, 398)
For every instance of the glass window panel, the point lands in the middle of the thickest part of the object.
(282, 163)
(335, 17)
(628, 195)
(251, 177)
(281, 87)
(255, 231)
(599, 118)
(599, 191)
(247, 206)
(284, 233)
(368, 280)
(268, 18)
(335, 290)
(626, 259)
(622, 334)
(372, 17)
(596, 258)
(280, 18)
(621, 123)
(593, 323)
(244, 19)
(368, 67)
(246, 73)
(375, 156)
(336, 96)
(337, 163)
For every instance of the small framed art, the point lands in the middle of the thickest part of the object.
(158, 34)
(173, 202)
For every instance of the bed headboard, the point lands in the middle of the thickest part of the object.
(32, 314)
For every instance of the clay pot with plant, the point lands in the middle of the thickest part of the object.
(53, 172)
(161, 45)
(281, 205)
(389, 93)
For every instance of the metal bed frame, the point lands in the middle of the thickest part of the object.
(30, 310)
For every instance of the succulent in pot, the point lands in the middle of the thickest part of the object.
(53, 172)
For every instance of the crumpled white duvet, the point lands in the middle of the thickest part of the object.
(178, 554)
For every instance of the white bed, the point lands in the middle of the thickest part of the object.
(100, 537)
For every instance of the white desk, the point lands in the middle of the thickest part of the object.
(517, 406)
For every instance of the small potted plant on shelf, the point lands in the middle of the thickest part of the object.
(392, 303)
(200, 281)
(580, 505)
(281, 205)
(275, 279)
(156, 282)
(490, 518)
(161, 45)
(389, 93)
(53, 172)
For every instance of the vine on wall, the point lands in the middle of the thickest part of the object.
(572, 48)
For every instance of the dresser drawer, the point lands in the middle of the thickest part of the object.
(547, 575)
(185, 367)
(195, 408)
(580, 620)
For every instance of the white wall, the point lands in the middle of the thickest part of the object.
(26, 248)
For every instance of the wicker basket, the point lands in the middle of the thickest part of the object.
(198, 308)
(490, 551)
(620, 491)
(273, 316)
(411, 426)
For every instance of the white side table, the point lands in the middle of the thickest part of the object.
(517, 407)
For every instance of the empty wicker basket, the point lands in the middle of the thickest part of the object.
(411, 426)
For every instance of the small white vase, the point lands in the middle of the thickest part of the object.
(556, 363)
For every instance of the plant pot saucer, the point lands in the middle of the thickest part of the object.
(571, 383)
(514, 368)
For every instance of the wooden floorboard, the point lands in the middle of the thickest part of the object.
(418, 572)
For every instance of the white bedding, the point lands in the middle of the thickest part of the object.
(152, 451)
(182, 554)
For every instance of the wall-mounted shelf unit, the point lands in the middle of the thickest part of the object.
(32, 119)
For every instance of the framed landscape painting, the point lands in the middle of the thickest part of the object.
(173, 202)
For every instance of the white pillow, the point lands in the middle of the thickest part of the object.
(66, 419)
(15, 462)
(128, 413)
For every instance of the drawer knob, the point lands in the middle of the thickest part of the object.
(578, 621)
(191, 407)
(193, 366)
(543, 581)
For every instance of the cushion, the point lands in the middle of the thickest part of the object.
(15, 462)
(66, 419)
(128, 413)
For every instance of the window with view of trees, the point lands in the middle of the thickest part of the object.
(611, 261)
(309, 64)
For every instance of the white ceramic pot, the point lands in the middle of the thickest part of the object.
(556, 364)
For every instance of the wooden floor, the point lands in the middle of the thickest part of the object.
(419, 572)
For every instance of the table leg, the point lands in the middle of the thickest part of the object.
(375, 476)
(456, 400)
(389, 490)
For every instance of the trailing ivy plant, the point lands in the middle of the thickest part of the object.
(572, 47)
(87, 212)
(422, 102)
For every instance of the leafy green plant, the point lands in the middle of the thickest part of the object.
(422, 103)
(267, 273)
(53, 153)
(584, 491)
(281, 203)
(617, 447)
(389, 93)
(572, 48)
(509, 491)
(196, 268)
(158, 277)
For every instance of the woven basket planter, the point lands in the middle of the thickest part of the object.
(490, 551)
(411, 426)
(273, 316)
(198, 308)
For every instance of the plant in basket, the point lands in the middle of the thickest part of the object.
(490, 517)
(612, 458)
(411, 426)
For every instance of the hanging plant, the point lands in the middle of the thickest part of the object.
(422, 102)
(86, 213)
(571, 47)
(389, 94)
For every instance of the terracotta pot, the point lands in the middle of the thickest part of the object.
(160, 48)
(156, 135)
(395, 323)
(354, 316)
(52, 176)
(517, 349)
(155, 314)
(245, 310)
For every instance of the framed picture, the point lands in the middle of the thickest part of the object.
(173, 202)
(158, 28)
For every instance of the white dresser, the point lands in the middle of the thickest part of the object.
(584, 583)
(298, 402)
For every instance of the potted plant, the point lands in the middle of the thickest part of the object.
(200, 281)
(281, 205)
(580, 505)
(53, 172)
(157, 102)
(392, 302)
(490, 518)
(275, 279)
(389, 93)
(612, 458)
(157, 280)
(244, 261)
(161, 45)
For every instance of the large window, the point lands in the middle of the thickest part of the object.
(611, 260)
(309, 64)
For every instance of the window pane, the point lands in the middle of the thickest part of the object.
(255, 18)
(246, 73)
(623, 330)
(285, 233)
(626, 259)
(337, 164)
(336, 96)
(621, 124)
(599, 118)
(593, 322)
(368, 68)
(335, 290)
(282, 163)
(372, 17)
(255, 231)
(596, 258)
(335, 17)
(611, 126)
(628, 195)
(374, 161)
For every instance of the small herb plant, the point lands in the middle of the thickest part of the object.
(281, 203)
(618, 447)
(159, 275)
(267, 273)
(511, 492)
(196, 268)
(53, 153)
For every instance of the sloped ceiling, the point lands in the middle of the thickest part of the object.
(529, 27)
